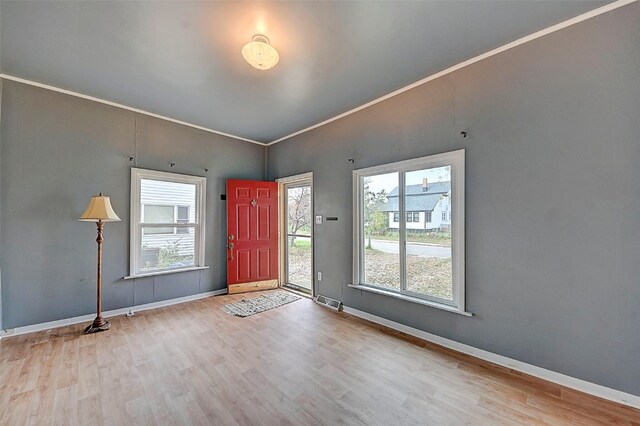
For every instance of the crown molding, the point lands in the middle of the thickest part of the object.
(557, 27)
(126, 107)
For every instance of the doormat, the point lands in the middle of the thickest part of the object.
(248, 307)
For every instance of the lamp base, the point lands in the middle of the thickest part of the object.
(99, 324)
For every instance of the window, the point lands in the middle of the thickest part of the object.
(165, 214)
(396, 217)
(403, 265)
(158, 214)
(444, 216)
(167, 222)
(184, 218)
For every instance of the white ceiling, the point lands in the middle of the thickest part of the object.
(182, 59)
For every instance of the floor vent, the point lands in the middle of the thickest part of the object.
(328, 302)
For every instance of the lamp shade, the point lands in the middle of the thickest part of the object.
(259, 53)
(99, 209)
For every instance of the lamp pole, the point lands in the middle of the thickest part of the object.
(99, 324)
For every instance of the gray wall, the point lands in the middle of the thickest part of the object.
(1, 323)
(553, 201)
(57, 151)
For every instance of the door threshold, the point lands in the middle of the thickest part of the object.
(296, 291)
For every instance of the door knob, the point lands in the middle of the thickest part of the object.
(230, 245)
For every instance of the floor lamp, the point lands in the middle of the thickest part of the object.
(99, 211)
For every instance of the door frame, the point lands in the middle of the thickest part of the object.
(283, 183)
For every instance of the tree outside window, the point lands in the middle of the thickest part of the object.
(375, 219)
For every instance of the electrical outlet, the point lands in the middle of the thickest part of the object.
(319, 276)
(319, 220)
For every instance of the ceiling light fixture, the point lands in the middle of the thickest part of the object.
(259, 53)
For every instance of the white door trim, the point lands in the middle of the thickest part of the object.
(282, 223)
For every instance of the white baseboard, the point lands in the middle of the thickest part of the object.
(542, 373)
(523, 367)
(122, 311)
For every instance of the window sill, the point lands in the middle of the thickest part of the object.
(417, 300)
(171, 271)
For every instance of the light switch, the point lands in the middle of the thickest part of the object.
(319, 276)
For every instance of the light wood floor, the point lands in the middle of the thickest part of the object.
(299, 364)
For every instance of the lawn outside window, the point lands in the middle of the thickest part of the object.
(409, 230)
(167, 222)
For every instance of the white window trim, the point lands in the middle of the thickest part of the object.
(456, 159)
(135, 227)
(409, 298)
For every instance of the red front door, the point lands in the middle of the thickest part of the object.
(252, 235)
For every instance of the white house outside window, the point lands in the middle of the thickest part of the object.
(184, 217)
(167, 222)
(415, 253)
(168, 214)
